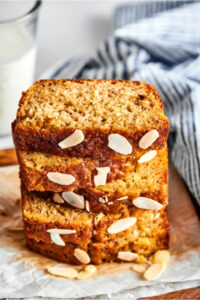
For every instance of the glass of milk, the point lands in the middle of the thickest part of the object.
(18, 21)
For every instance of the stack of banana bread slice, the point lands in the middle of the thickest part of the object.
(94, 170)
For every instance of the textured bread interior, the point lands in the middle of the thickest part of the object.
(83, 104)
(43, 210)
(40, 160)
(146, 236)
(149, 177)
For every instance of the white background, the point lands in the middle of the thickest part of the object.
(68, 28)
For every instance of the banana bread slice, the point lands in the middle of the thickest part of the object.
(124, 176)
(57, 231)
(100, 118)
(36, 166)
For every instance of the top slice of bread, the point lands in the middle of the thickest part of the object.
(50, 110)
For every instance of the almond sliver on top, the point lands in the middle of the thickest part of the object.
(60, 178)
(121, 225)
(119, 144)
(74, 139)
(147, 203)
(148, 139)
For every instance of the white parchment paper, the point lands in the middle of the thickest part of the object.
(23, 273)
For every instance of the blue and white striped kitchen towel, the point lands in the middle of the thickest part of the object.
(159, 43)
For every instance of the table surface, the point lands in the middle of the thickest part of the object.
(8, 157)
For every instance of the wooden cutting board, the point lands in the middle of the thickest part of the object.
(8, 157)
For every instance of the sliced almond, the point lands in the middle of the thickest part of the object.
(147, 156)
(73, 199)
(82, 256)
(98, 218)
(70, 273)
(119, 144)
(127, 255)
(57, 198)
(55, 237)
(61, 231)
(140, 268)
(94, 232)
(121, 225)
(147, 203)
(87, 206)
(148, 139)
(101, 177)
(101, 200)
(154, 271)
(60, 178)
(122, 198)
(110, 203)
(161, 256)
(74, 139)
